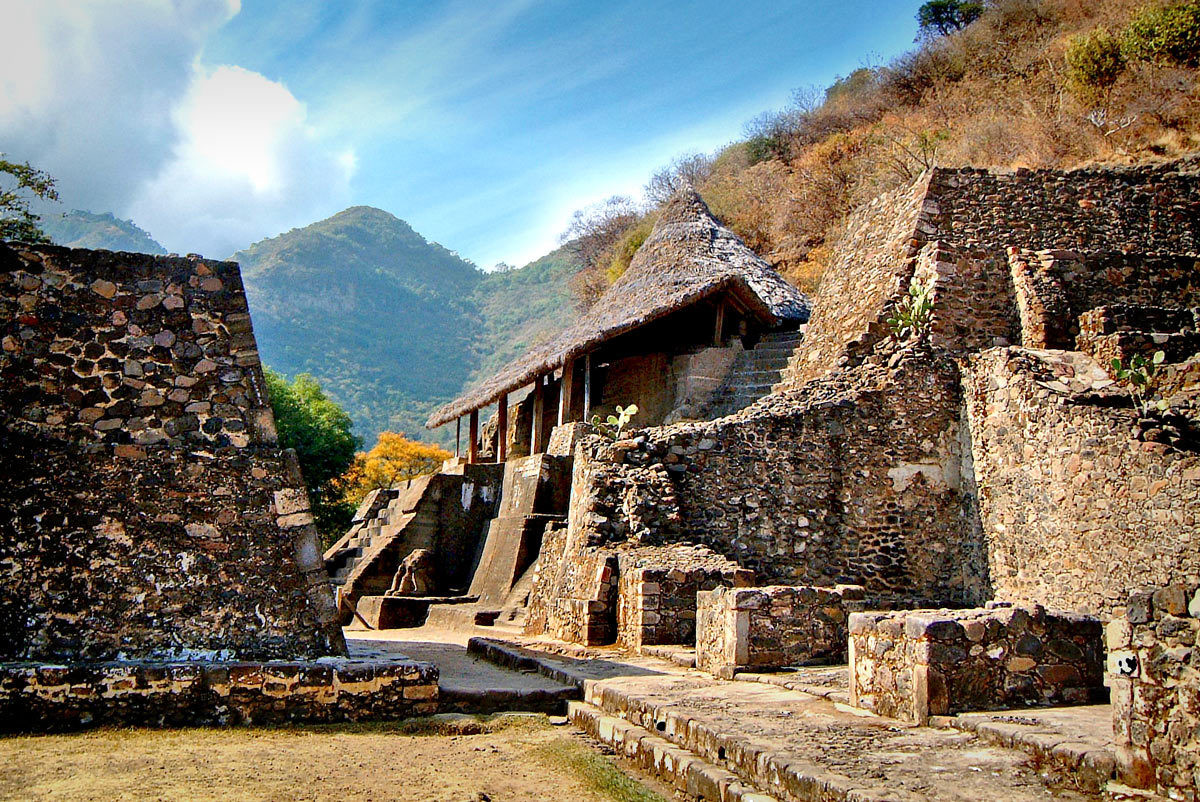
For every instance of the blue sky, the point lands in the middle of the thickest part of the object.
(485, 125)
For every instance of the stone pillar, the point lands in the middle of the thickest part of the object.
(502, 428)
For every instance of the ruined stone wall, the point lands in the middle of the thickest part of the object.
(913, 665)
(1054, 288)
(1152, 664)
(771, 627)
(1076, 512)
(977, 215)
(146, 507)
(855, 480)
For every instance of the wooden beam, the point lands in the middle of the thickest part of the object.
(539, 412)
(458, 436)
(473, 433)
(502, 428)
(587, 387)
(566, 391)
(718, 331)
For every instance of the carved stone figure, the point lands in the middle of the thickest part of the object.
(414, 575)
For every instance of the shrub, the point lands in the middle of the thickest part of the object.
(1166, 34)
(1095, 62)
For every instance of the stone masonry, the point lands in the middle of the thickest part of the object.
(1154, 673)
(771, 627)
(145, 506)
(917, 664)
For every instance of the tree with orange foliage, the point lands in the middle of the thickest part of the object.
(393, 459)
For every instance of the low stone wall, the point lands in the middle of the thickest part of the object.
(574, 593)
(50, 698)
(1152, 664)
(1065, 490)
(657, 587)
(917, 664)
(772, 627)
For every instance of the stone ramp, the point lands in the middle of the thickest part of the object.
(794, 745)
(466, 682)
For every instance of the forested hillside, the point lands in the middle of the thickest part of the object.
(77, 229)
(392, 325)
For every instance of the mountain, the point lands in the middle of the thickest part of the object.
(391, 324)
(79, 229)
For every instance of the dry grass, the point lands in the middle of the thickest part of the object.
(503, 757)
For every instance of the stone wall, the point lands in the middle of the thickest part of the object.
(1153, 661)
(657, 587)
(913, 665)
(53, 698)
(1066, 493)
(146, 507)
(854, 480)
(772, 627)
(574, 594)
(978, 215)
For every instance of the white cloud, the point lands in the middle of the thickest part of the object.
(113, 99)
(249, 165)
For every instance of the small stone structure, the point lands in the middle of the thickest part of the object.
(40, 698)
(1152, 665)
(656, 591)
(922, 663)
(771, 627)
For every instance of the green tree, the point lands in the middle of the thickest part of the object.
(319, 430)
(1166, 33)
(1095, 63)
(944, 17)
(19, 184)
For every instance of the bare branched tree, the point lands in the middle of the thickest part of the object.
(593, 234)
(690, 169)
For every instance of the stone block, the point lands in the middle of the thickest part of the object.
(915, 664)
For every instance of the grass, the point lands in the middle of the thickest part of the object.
(597, 772)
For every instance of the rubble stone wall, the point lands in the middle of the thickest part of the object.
(853, 481)
(978, 215)
(913, 665)
(55, 698)
(657, 587)
(147, 509)
(1153, 665)
(1066, 493)
(771, 627)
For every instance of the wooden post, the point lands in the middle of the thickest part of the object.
(539, 412)
(458, 436)
(587, 387)
(565, 392)
(502, 428)
(719, 329)
(473, 433)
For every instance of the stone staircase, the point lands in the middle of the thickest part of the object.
(754, 373)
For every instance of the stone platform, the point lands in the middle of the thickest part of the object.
(719, 740)
(397, 612)
(51, 698)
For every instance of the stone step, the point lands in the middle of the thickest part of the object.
(683, 770)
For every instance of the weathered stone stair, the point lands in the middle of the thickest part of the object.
(754, 373)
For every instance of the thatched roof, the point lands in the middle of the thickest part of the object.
(688, 256)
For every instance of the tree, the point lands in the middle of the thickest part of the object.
(319, 430)
(393, 459)
(19, 184)
(1094, 65)
(944, 17)
(688, 170)
(593, 235)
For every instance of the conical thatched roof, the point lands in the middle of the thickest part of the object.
(688, 256)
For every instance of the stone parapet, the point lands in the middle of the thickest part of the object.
(916, 664)
(56, 697)
(752, 629)
(1154, 673)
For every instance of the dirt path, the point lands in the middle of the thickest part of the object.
(523, 759)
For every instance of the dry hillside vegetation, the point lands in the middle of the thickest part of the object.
(1000, 93)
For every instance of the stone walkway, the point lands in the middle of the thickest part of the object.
(792, 743)
(467, 683)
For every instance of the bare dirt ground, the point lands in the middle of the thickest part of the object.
(516, 758)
